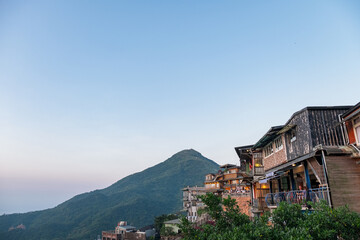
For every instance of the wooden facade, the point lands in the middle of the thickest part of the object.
(344, 179)
(231, 181)
(315, 160)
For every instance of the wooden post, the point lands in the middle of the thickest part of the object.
(279, 184)
(307, 177)
(292, 179)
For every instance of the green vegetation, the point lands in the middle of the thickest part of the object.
(137, 199)
(160, 227)
(159, 220)
(288, 222)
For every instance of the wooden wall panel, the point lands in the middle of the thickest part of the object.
(344, 180)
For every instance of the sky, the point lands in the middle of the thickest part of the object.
(92, 91)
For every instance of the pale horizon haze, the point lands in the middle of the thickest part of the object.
(93, 91)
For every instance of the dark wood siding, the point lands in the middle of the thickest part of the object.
(344, 181)
(325, 127)
(302, 144)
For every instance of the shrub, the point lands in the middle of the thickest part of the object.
(288, 222)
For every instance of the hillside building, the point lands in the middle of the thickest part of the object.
(192, 204)
(123, 232)
(309, 158)
(231, 181)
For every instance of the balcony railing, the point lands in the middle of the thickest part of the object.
(299, 197)
(274, 199)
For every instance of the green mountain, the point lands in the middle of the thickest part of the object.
(137, 198)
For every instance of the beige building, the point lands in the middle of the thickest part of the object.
(192, 204)
(123, 232)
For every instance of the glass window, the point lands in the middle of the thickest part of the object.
(357, 130)
(278, 144)
(292, 135)
(268, 150)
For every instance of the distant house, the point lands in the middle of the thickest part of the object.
(173, 225)
(231, 181)
(307, 158)
(123, 232)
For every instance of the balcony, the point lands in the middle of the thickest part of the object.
(273, 200)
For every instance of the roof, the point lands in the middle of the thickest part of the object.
(213, 190)
(243, 150)
(196, 188)
(211, 174)
(318, 108)
(247, 147)
(351, 112)
(174, 221)
(338, 150)
(268, 137)
(127, 227)
(277, 130)
(228, 166)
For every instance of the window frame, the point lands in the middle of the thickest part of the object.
(356, 124)
(268, 148)
(293, 135)
(279, 144)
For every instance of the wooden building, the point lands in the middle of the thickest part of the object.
(231, 181)
(304, 160)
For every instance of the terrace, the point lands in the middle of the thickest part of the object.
(273, 200)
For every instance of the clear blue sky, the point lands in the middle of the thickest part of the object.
(91, 91)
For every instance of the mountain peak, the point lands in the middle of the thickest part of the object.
(188, 151)
(154, 191)
(186, 155)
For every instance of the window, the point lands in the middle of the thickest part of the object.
(357, 129)
(268, 150)
(278, 144)
(292, 135)
(258, 161)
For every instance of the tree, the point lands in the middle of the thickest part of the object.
(159, 222)
(288, 221)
